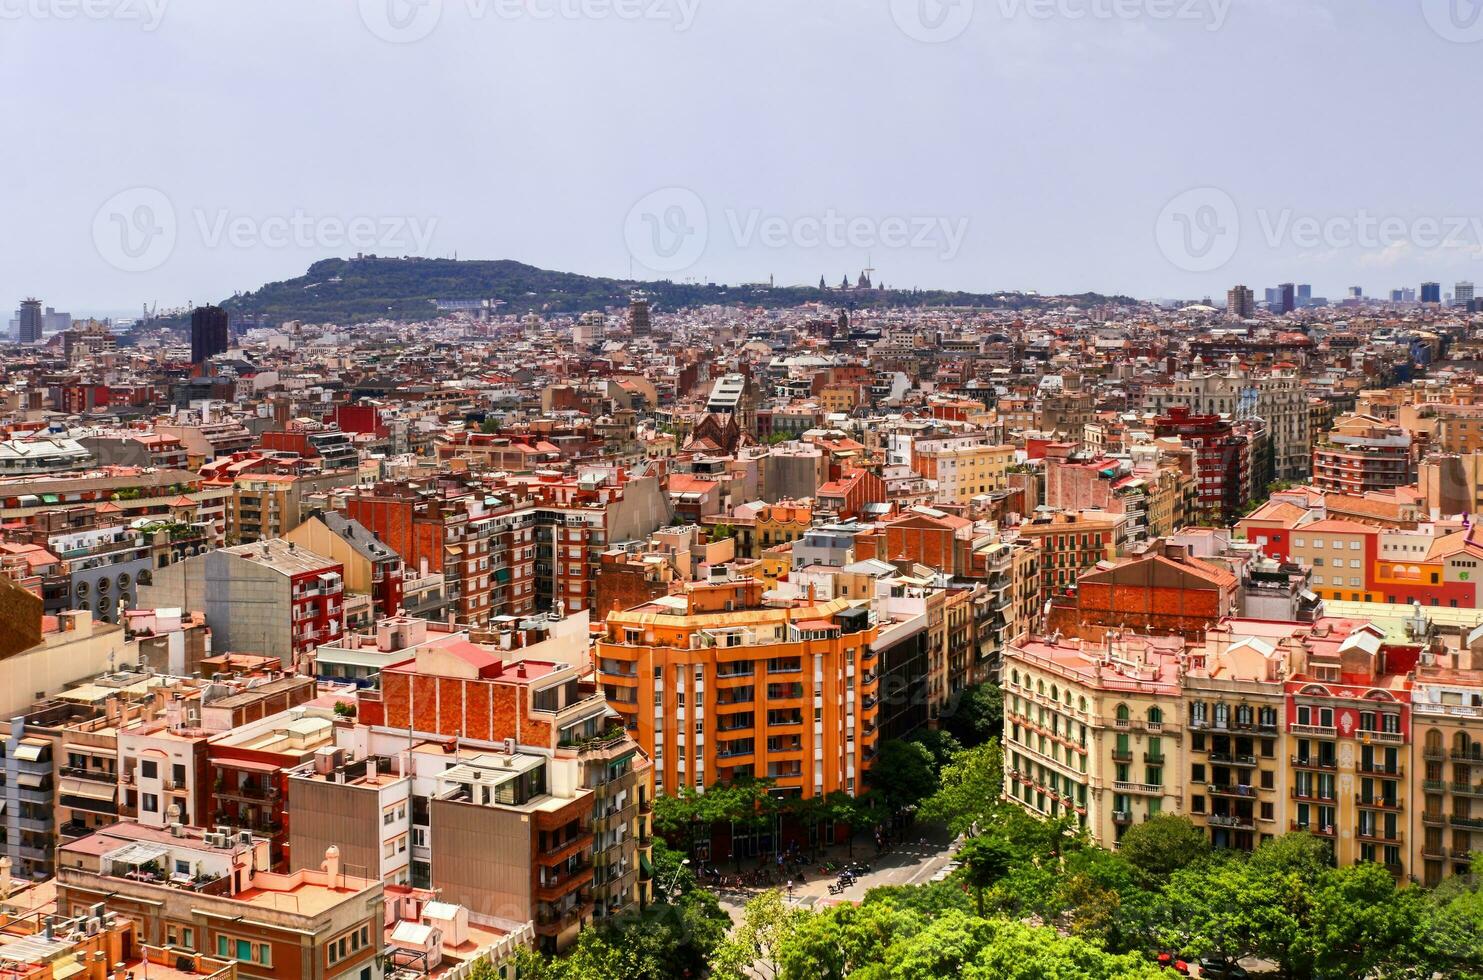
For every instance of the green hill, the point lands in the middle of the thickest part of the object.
(361, 289)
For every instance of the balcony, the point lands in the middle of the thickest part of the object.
(1375, 835)
(554, 888)
(1433, 818)
(1310, 795)
(1231, 789)
(1379, 770)
(1468, 789)
(1435, 852)
(1311, 828)
(1302, 762)
(1376, 802)
(1233, 821)
(1122, 816)
(1233, 759)
(97, 775)
(1472, 823)
(1122, 755)
(1322, 731)
(1151, 789)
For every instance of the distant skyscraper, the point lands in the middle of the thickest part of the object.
(1462, 293)
(1431, 292)
(1287, 298)
(209, 335)
(639, 322)
(1240, 302)
(1305, 293)
(30, 328)
(1356, 292)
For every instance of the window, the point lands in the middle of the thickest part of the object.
(149, 769)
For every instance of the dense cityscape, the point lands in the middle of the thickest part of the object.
(586, 644)
(769, 490)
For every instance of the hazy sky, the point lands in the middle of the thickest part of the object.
(175, 150)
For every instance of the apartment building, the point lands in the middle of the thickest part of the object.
(484, 548)
(1362, 454)
(1091, 730)
(1070, 544)
(577, 519)
(1348, 726)
(372, 568)
(1446, 775)
(1239, 782)
(1280, 398)
(715, 685)
(963, 472)
(206, 892)
(272, 598)
(247, 768)
(1223, 479)
(577, 783)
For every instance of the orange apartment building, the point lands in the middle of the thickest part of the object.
(716, 685)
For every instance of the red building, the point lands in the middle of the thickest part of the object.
(1164, 592)
(927, 537)
(1220, 459)
(848, 497)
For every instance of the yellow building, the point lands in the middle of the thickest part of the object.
(1091, 731)
(965, 472)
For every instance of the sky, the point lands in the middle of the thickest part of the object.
(176, 151)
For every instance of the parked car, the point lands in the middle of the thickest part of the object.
(1210, 966)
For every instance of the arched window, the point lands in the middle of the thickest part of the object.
(1040, 687)
(1123, 714)
(1014, 678)
(1081, 704)
(1433, 740)
(1055, 692)
(1155, 716)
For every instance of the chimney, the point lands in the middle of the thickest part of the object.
(331, 866)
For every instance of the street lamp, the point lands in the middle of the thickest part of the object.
(676, 879)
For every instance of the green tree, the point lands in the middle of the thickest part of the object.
(755, 947)
(1162, 845)
(1451, 932)
(986, 861)
(1363, 925)
(904, 774)
(969, 788)
(977, 715)
(959, 945)
(940, 744)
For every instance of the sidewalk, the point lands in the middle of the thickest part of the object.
(923, 856)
